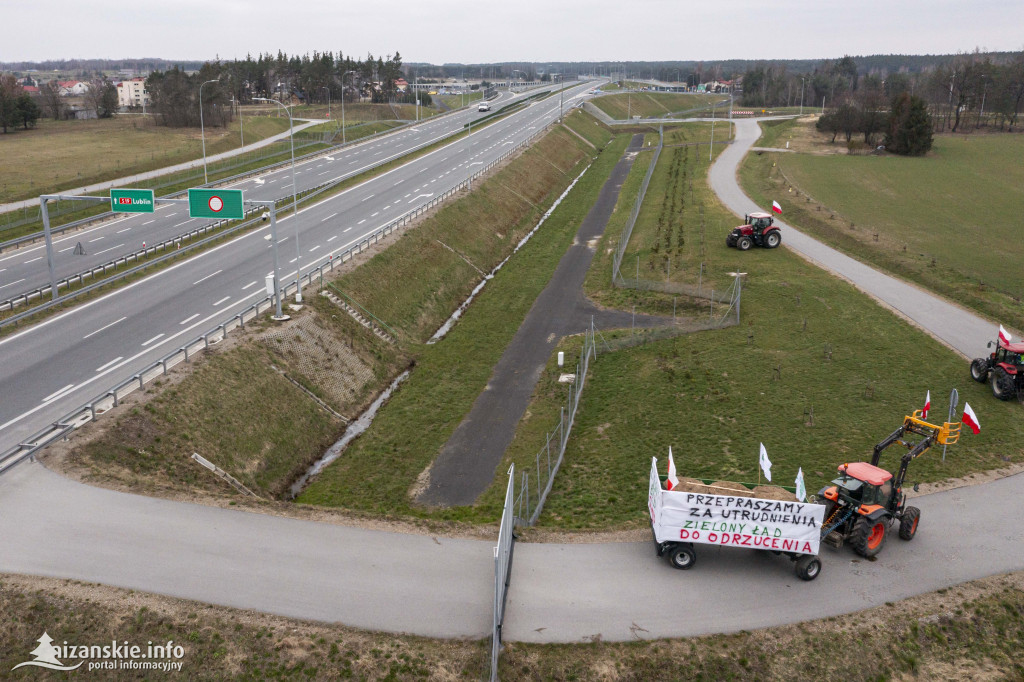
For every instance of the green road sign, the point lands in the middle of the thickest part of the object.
(216, 203)
(132, 200)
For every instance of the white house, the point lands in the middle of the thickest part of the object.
(133, 93)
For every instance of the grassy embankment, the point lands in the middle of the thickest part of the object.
(652, 104)
(971, 631)
(483, 227)
(949, 221)
(807, 342)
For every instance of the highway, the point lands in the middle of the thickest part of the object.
(24, 270)
(60, 363)
(441, 587)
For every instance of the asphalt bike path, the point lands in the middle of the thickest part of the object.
(52, 526)
(467, 463)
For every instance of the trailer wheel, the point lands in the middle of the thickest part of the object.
(868, 537)
(682, 557)
(908, 524)
(808, 567)
(979, 370)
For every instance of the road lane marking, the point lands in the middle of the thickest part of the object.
(58, 394)
(35, 259)
(106, 327)
(155, 338)
(207, 277)
(369, 197)
(186, 222)
(361, 221)
(331, 239)
(110, 249)
(250, 284)
(95, 240)
(189, 319)
(12, 283)
(149, 221)
(375, 214)
(112, 362)
(226, 298)
(126, 229)
(314, 248)
(328, 217)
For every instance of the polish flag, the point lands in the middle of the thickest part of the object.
(776, 207)
(672, 481)
(927, 405)
(1004, 335)
(971, 419)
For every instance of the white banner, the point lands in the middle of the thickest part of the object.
(733, 521)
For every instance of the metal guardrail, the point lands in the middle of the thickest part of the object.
(111, 398)
(24, 298)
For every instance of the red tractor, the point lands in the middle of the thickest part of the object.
(1003, 369)
(758, 229)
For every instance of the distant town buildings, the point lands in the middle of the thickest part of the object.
(133, 93)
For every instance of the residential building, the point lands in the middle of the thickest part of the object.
(133, 93)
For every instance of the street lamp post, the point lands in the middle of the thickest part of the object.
(343, 105)
(202, 128)
(801, 95)
(328, 89)
(295, 198)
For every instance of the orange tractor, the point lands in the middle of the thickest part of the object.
(863, 503)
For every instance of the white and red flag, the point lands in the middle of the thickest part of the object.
(672, 481)
(971, 419)
(927, 405)
(776, 207)
(1004, 335)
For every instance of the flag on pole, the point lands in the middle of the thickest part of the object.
(776, 207)
(927, 405)
(1004, 335)
(766, 464)
(801, 489)
(672, 481)
(971, 419)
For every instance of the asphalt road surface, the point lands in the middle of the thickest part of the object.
(437, 587)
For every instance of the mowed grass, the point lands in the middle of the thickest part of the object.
(456, 101)
(714, 396)
(949, 221)
(378, 470)
(60, 155)
(622, 106)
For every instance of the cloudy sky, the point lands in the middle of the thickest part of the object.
(439, 31)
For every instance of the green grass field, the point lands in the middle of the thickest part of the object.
(949, 220)
(60, 155)
(456, 101)
(714, 396)
(651, 104)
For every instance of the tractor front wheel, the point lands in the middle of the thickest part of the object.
(908, 524)
(1002, 384)
(868, 537)
(979, 370)
(682, 557)
(808, 567)
(772, 239)
(744, 243)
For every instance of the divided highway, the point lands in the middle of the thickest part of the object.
(60, 363)
(24, 270)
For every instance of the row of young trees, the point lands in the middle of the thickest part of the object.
(313, 78)
(967, 90)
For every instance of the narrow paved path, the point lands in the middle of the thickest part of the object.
(129, 179)
(467, 464)
(963, 331)
(441, 587)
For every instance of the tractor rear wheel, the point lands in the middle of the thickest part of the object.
(908, 524)
(979, 370)
(682, 557)
(808, 567)
(1002, 384)
(772, 239)
(744, 243)
(868, 537)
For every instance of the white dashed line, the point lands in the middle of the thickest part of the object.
(189, 319)
(106, 327)
(328, 217)
(207, 277)
(226, 298)
(155, 338)
(54, 396)
(250, 284)
(111, 363)
(126, 229)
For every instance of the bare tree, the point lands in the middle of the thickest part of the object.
(53, 103)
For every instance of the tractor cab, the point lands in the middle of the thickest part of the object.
(1009, 356)
(756, 223)
(862, 484)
